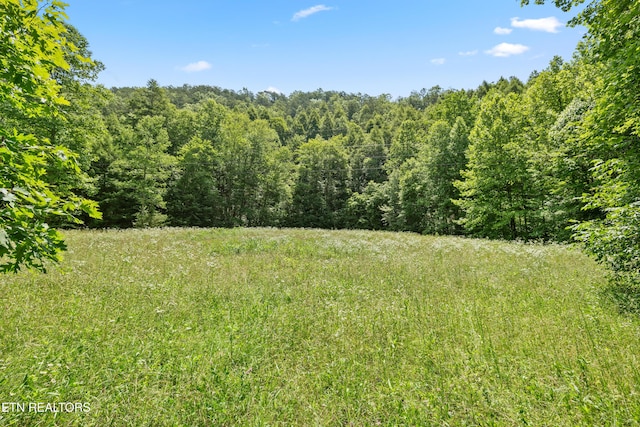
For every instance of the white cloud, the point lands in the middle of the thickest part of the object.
(502, 31)
(196, 67)
(438, 61)
(273, 89)
(468, 53)
(549, 25)
(310, 11)
(504, 50)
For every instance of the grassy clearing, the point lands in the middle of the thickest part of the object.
(306, 327)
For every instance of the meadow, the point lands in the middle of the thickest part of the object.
(257, 327)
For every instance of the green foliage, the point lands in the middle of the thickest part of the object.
(503, 85)
(454, 104)
(567, 171)
(615, 240)
(413, 197)
(238, 177)
(367, 160)
(147, 169)
(556, 156)
(560, 149)
(405, 145)
(149, 101)
(28, 202)
(565, 5)
(138, 174)
(34, 43)
(379, 137)
(181, 128)
(608, 137)
(192, 198)
(321, 187)
(425, 98)
(495, 189)
(443, 160)
(540, 155)
(612, 132)
(251, 180)
(424, 182)
(364, 209)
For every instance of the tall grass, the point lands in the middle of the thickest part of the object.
(306, 327)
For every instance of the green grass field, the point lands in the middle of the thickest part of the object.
(189, 327)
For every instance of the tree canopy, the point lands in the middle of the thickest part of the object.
(34, 46)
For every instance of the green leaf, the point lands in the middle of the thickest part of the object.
(4, 238)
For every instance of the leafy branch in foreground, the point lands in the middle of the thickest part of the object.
(32, 39)
(611, 132)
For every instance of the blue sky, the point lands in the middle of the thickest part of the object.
(373, 47)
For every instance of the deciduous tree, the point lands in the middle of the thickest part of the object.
(321, 188)
(33, 42)
(495, 187)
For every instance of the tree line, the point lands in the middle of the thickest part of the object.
(488, 162)
(554, 158)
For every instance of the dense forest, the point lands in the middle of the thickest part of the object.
(554, 158)
(209, 157)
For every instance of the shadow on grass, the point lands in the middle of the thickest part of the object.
(624, 294)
